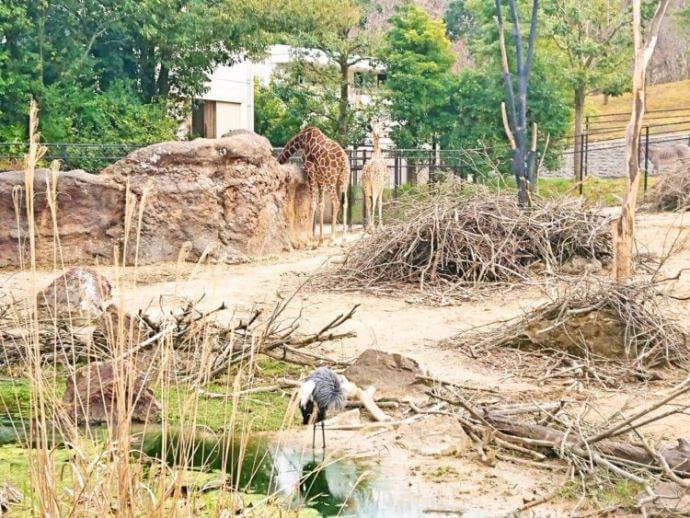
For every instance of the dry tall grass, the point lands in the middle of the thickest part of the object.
(105, 472)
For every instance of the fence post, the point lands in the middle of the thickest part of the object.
(352, 183)
(581, 158)
(586, 145)
(646, 157)
(364, 207)
(396, 173)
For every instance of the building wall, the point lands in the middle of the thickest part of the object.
(228, 103)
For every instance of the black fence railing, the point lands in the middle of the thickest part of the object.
(92, 157)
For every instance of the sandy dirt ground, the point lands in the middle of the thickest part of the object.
(410, 327)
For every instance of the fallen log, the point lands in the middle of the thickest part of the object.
(677, 457)
(366, 397)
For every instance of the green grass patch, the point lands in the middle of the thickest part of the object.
(605, 192)
(260, 412)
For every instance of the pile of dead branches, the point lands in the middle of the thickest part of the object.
(201, 344)
(605, 332)
(454, 238)
(672, 191)
(558, 436)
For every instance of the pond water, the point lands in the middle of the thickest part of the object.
(301, 477)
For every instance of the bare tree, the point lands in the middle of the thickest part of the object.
(623, 227)
(515, 120)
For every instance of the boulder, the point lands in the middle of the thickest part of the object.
(393, 375)
(91, 394)
(228, 196)
(78, 297)
(435, 435)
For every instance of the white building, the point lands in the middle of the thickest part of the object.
(228, 103)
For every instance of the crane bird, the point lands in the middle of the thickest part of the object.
(321, 392)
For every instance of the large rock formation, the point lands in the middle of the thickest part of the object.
(89, 217)
(222, 198)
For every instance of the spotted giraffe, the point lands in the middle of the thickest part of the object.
(374, 178)
(327, 168)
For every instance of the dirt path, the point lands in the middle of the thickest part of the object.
(390, 324)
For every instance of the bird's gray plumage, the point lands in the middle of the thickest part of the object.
(329, 391)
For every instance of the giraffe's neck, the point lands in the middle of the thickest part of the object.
(294, 144)
(376, 151)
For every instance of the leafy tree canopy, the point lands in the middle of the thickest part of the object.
(298, 96)
(459, 19)
(78, 57)
(419, 59)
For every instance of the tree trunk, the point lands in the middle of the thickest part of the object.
(623, 227)
(579, 116)
(163, 82)
(343, 103)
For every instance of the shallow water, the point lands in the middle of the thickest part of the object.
(299, 477)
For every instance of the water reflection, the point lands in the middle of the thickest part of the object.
(299, 477)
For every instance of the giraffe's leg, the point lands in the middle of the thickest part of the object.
(367, 208)
(335, 206)
(321, 209)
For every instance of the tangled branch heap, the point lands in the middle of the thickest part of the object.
(672, 192)
(606, 333)
(467, 235)
(201, 345)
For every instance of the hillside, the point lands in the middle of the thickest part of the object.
(671, 61)
(668, 96)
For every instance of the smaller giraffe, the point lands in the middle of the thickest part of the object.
(374, 179)
(327, 168)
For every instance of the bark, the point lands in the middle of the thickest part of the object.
(343, 102)
(518, 111)
(623, 227)
(163, 83)
(366, 397)
(677, 457)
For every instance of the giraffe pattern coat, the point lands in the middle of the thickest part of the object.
(327, 168)
(374, 179)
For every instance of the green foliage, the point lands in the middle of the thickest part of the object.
(458, 19)
(300, 95)
(477, 99)
(418, 58)
(593, 40)
(684, 15)
(330, 40)
(106, 69)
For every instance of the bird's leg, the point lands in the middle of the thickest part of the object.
(313, 437)
(323, 436)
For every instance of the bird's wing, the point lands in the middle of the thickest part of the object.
(306, 391)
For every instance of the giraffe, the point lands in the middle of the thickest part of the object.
(374, 179)
(327, 168)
